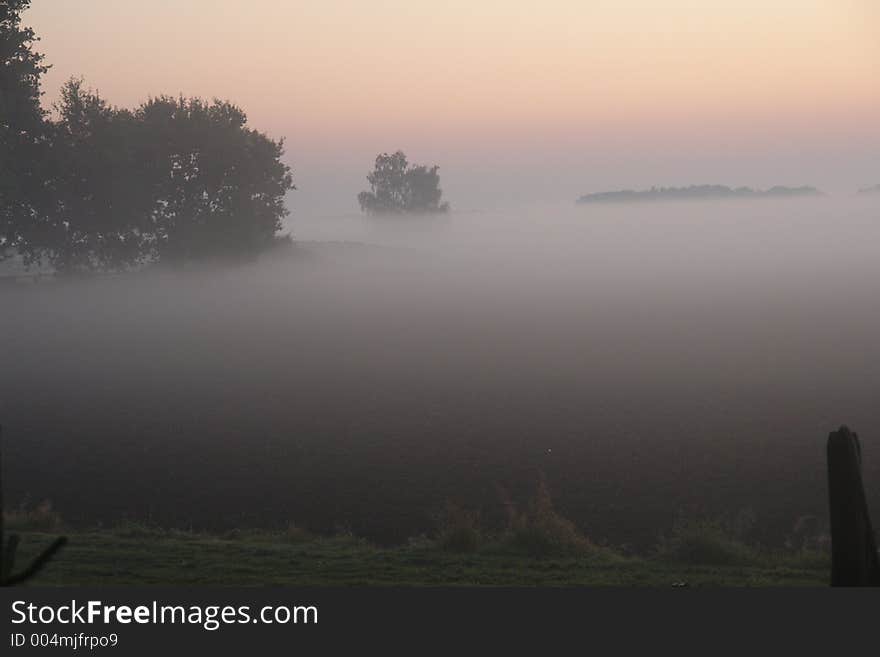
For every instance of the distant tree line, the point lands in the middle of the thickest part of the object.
(100, 188)
(397, 187)
(696, 192)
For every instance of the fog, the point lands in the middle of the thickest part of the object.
(646, 358)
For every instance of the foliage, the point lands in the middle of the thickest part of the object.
(105, 189)
(175, 180)
(697, 192)
(541, 531)
(706, 541)
(23, 138)
(99, 218)
(538, 530)
(20, 71)
(459, 529)
(398, 187)
(296, 534)
(41, 518)
(218, 185)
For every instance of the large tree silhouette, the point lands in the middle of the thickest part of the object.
(106, 189)
(218, 185)
(100, 218)
(23, 128)
(397, 187)
(174, 180)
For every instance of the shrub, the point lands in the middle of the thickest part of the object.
(294, 534)
(459, 529)
(702, 541)
(396, 187)
(41, 518)
(541, 531)
(128, 528)
(808, 559)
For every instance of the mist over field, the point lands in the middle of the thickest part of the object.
(646, 358)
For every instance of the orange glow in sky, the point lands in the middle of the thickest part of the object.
(469, 79)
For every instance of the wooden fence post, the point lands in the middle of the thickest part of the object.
(853, 548)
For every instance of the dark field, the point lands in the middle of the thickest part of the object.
(647, 365)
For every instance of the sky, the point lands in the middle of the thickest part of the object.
(516, 101)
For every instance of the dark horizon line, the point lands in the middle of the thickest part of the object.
(698, 192)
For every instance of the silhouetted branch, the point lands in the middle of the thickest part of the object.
(38, 563)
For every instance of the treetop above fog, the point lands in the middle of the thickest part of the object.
(397, 187)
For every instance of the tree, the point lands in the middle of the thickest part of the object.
(174, 180)
(103, 188)
(23, 139)
(101, 214)
(396, 187)
(218, 185)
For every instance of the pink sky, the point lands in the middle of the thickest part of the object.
(515, 100)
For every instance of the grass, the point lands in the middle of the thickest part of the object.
(536, 546)
(141, 555)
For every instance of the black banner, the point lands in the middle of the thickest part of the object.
(129, 621)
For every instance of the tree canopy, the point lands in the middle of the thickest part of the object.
(102, 188)
(22, 122)
(398, 187)
(218, 186)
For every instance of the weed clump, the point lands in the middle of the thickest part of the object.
(296, 534)
(538, 530)
(39, 518)
(459, 529)
(541, 531)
